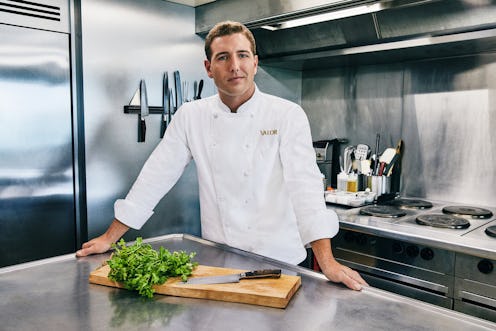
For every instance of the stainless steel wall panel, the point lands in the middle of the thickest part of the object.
(443, 109)
(123, 42)
(450, 117)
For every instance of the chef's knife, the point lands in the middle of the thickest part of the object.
(235, 278)
(179, 92)
(200, 88)
(143, 112)
(166, 105)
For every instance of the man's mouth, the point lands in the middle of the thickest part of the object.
(235, 78)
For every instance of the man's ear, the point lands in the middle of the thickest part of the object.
(206, 63)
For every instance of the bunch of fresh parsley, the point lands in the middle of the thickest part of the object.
(139, 266)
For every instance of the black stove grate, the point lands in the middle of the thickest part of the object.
(410, 203)
(474, 212)
(443, 221)
(491, 231)
(382, 211)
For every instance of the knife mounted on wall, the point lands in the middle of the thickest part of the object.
(166, 104)
(140, 99)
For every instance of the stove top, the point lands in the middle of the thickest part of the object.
(430, 218)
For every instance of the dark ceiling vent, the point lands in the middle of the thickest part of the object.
(31, 9)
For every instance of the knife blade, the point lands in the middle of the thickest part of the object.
(144, 111)
(165, 104)
(200, 88)
(179, 92)
(235, 278)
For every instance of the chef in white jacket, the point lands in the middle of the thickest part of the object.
(260, 187)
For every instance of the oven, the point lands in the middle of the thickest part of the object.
(417, 271)
(423, 264)
(475, 277)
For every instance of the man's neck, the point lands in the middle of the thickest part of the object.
(234, 102)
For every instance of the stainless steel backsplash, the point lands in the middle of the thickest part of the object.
(125, 41)
(443, 109)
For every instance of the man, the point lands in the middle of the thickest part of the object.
(260, 188)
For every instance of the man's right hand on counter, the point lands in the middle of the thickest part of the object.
(103, 243)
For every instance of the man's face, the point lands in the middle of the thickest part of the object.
(232, 66)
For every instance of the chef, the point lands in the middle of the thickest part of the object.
(260, 187)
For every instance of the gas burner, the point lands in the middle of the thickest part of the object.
(410, 203)
(491, 231)
(443, 221)
(474, 212)
(382, 211)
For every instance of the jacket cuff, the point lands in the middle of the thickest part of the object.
(323, 225)
(131, 214)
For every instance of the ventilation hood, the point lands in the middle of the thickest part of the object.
(314, 34)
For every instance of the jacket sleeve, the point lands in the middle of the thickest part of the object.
(159, 174)
(304, 180)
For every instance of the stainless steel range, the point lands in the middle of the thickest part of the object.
(436, 252)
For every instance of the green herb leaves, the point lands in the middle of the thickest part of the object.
(139, 266)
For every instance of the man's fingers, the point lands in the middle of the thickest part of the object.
(352, 279)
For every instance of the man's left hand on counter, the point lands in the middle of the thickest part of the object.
(334, 270)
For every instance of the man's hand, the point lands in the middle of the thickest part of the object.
(103, 243)
(334, 270)
(339, 273)
(94, 246)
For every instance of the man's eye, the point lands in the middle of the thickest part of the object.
(243, 55)
(222, 58)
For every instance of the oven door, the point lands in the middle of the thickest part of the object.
(400, 284)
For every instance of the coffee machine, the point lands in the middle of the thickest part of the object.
(327, 156)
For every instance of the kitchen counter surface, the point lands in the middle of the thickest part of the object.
(54, 294)
(482, 246)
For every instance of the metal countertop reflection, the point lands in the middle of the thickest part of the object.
(55, 294)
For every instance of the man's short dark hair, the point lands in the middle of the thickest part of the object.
(227, 28)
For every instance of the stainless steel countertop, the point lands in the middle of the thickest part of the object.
(54, 294)
(482, 246)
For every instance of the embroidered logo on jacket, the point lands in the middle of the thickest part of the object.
(272, 132)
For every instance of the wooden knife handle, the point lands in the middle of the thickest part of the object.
(267, 273)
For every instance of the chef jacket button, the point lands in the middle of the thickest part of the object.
(215, 115)
(247, 201)
(251, 115)
(247, 146)
(246, 174)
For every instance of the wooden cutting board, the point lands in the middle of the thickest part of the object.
(263, 292)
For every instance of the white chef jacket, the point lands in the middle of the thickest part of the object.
(260, 187)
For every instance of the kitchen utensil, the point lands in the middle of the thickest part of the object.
(185, 92)
(179, 92)
(387, 155)
(200, 88)
(362, 152)
(397, 155)
(195, 89)
(263, 291)
(235, 278)
(144, 111)
(166, 115)
(376, 153)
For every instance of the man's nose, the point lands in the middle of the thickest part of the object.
(234, 64)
